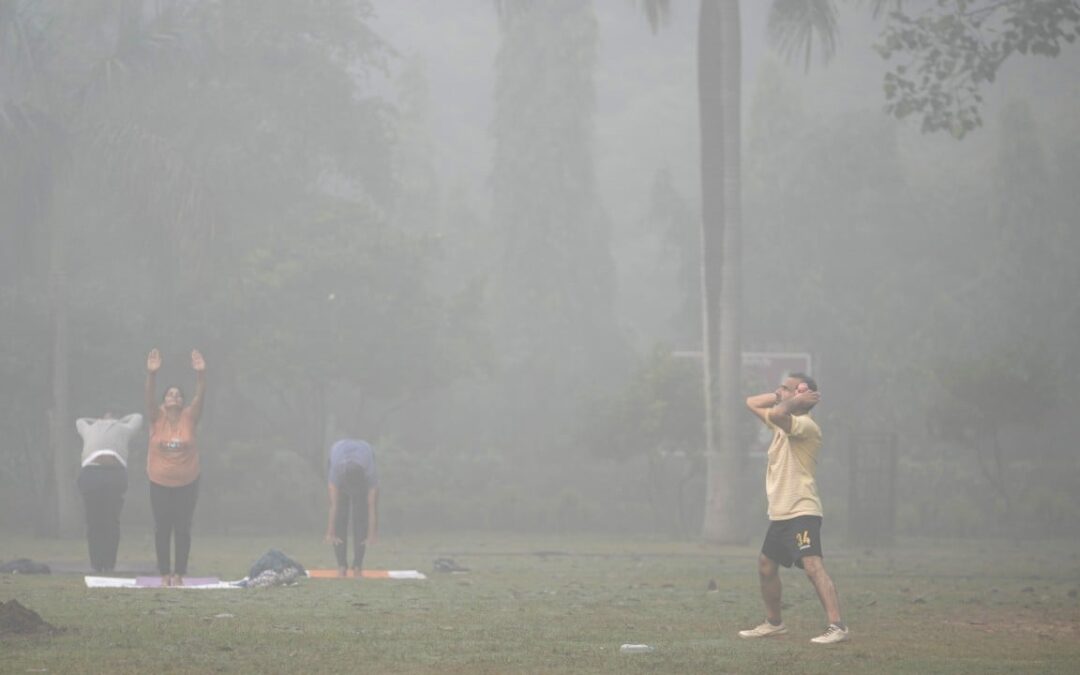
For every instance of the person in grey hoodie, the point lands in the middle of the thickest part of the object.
(103, 482)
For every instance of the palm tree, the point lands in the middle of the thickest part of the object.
(56, 89)
(34, 143)
(65, 118)
(793, 24)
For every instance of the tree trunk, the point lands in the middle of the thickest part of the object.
(66, 521)
(719, 73)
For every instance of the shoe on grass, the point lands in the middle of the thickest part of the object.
(832, 635)
(764, 630)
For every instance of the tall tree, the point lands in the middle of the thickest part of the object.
(671, 211)
(137, 131)
(555, 293)
(33, 128)
(720, 99)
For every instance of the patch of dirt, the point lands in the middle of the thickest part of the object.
(1044, 627)
(18, 620)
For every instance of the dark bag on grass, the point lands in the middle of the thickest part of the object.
(24, 566)
(275, 561)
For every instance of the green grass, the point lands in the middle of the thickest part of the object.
(919, 607)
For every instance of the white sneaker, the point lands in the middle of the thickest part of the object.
(832, 635)
(764, 630)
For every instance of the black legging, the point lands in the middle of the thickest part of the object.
(174, 508)
(352, 500)
(103, 487)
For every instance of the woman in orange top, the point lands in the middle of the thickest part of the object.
(172, 463)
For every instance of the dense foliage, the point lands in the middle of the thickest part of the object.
(227, 176)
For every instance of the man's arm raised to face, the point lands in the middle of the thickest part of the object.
(761, 404)
(799, 404)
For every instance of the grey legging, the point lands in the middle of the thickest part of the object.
(352, 501)
(103, 487)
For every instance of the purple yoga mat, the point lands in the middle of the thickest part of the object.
(154, 582)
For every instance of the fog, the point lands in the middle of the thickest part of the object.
(470, 233)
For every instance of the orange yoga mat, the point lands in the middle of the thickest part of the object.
(368, 574)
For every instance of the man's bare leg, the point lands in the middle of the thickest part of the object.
(826, 591)
(769, 575)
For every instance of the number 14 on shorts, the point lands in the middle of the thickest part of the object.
(802, 540)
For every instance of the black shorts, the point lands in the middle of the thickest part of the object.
(787, 541)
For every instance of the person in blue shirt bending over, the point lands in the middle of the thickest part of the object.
(353, 484)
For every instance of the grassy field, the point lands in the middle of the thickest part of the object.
(557, 604)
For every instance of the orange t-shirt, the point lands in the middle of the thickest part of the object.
(173, 457)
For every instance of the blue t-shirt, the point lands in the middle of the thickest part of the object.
(348, 453)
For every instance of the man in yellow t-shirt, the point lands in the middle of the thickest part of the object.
(794, 535)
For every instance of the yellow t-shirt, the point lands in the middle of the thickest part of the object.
(789, 477)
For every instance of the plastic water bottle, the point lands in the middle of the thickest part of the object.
(636, 649)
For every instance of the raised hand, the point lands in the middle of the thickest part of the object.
(806, 400)
(197, 361)
(153, 361)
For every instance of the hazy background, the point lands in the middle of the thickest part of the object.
(475, 244)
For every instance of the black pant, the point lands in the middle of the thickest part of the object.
(351, 501)
(174, 508)
(103, 487)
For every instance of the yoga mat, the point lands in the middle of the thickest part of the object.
(155, 582)
(369, 574)
(109, 582)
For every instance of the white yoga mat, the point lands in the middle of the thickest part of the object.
(190, 583)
